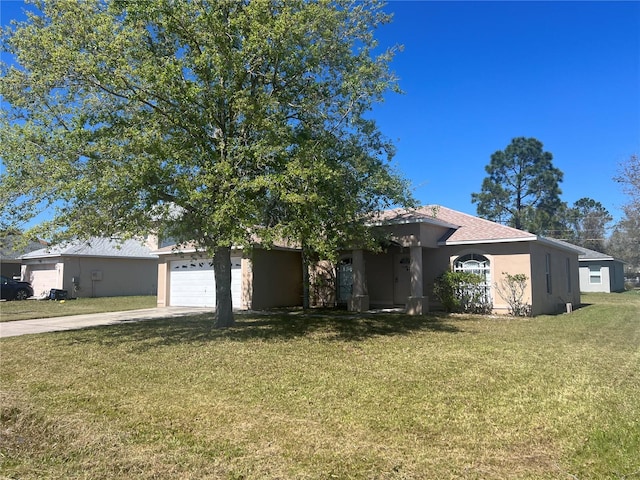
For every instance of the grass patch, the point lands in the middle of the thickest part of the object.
(30, 309)
(318, 396)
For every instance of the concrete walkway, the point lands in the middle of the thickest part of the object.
(74, 322)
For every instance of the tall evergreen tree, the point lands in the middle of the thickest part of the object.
(522, 189)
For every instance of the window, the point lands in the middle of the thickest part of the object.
(595, 275)
(480, 265)
(547, 271)
(568, 264)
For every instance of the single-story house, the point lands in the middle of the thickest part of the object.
(99, 267)
(600, 272)
(260, 279)
(420, 245)
(425, 242)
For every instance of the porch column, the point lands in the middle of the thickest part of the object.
(359, 301)
(163, 283)
(417, 303)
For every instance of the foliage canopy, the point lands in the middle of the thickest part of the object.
(213, 122)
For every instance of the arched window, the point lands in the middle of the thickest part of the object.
(478, 264)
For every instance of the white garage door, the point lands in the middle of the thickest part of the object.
(192, 283)
(42, 278)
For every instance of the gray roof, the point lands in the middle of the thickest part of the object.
(585, 253)
(9, 250)
(95, 247)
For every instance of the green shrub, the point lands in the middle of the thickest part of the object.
(511, 288)
(462, 292)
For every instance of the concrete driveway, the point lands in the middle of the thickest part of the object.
(74, 322)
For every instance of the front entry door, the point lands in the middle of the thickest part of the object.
(402, 278)
(345, 280)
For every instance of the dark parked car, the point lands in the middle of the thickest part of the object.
(14, 290)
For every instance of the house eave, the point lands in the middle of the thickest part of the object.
(561, 246)
(174, 250)
(492, 240)
(61, 257)
(406, 221)
(601, 259)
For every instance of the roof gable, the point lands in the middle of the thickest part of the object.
(464, 228)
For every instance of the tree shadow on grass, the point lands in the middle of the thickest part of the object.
(265, 326)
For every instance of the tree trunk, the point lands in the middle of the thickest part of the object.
(305, 279)
(222, 271)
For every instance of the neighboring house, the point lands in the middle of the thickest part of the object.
(426, 242)
(100, 267)
(599, 272)
(260, 279)
(10, 262)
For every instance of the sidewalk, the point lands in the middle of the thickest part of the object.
(74, 322)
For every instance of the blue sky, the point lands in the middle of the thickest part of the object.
(478, 74)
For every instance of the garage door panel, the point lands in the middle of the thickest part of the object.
(43, 278)
(192, 283)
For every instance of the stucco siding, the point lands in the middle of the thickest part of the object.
(511, 258)
(601, 276)
(163, 283)
(110, 277)
(276, 279)
(588, 285)
(555, 282)
(379, 275)
(617, 276)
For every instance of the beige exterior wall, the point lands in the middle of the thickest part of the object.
(564, 287)
(110, 277)
(95, 276)
(416, 234)
(511, 258)
(379, 277)
(276, 278)
(163, 282)
(271, 278)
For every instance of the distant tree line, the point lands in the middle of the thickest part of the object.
(522, 190)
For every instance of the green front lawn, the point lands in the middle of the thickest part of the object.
(29, 309)
(320, 396)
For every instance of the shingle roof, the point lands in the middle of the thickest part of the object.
(585, 253)
(95, 247)
(465, 228)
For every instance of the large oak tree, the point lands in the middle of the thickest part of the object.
(217, 122)
(522, 189)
